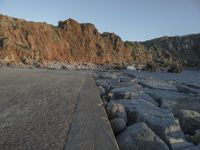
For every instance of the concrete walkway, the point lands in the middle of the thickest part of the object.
(52, 110)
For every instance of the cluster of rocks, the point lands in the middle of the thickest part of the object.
(59, 65)
(148, 114)
(173, 68)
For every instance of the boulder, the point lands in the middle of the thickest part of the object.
(103, 84)
(179, 144)
(107, 75)
(161, 121)
(151, 67)
(173, 100)
(140, 137)
(189, 90)
(114, 85)
(125, 92)
(189, 120)
(118, 124)
(132, 92)
(197, 147)
(194, 138)
(101, 91)
(124, 79)
(192, 85)
(115, 110)
(175, 69)
(104, 98)
(158, 84)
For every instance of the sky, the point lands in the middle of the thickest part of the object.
(133, 20)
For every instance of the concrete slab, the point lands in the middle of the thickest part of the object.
(90, 129)
(39, 109)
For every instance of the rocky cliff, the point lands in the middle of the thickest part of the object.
(38, 43)
(31, 43)
(184, 50)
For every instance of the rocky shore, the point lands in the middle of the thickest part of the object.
(61, 66)
(151, 114)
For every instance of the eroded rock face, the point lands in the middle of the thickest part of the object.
(164, 51)
(70, 41)
(182, 49)
(140, 137)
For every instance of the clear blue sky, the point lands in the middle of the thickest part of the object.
(135, 20)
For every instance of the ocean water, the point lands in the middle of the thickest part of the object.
(186, 76)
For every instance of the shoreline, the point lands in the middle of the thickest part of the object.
(148, 106)
(86, 66)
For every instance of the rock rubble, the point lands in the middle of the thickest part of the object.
(149, 114)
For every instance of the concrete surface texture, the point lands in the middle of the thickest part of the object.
(54, 110)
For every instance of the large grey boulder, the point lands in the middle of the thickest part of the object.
(132, 92)
(107, 75)
(115, 110)
(158, 84)
(179, 144)
(125, 92)
(140, 137)
(189, 120)
(173, 100)
(103, 84)
(114, 85)
(118, 124)
(161, 121)
(192, 85)
(124, 79)
(194, 138)
(189, 90)
(197, 147)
